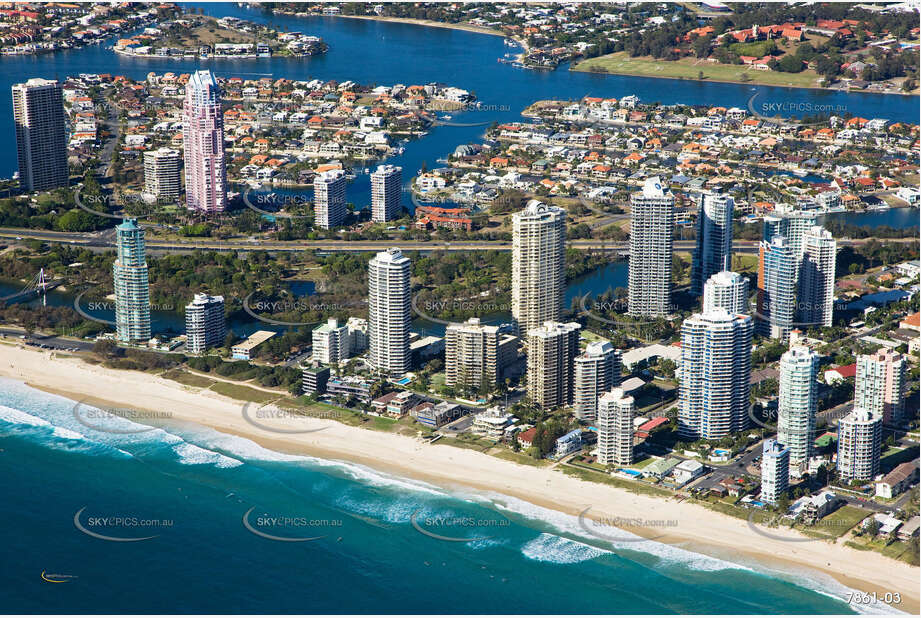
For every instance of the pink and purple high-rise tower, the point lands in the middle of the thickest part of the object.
(203, 141)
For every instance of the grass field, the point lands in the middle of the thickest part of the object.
(894, 456)
(243, 393)
(897, 551)
(639, 465)
(188, 379)
(622, 64)
(743, 263)
(521, 458)
(838, 523)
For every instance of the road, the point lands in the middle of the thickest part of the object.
(52, 342)
(734, 468)
(102, 241)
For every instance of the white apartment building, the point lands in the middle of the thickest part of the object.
(538, 265)
(797, 403)
(615, 428)
(386, 193)
(161, 174)
(597, 370)
(879, 384)
(329, 199)
(726, 290)
(552, 349)
(775, 471)
(714, 239)
(389, 312)
(652, 220)
(817, 278)
(205, 326)
(331, 343)
(715, 375)
(859, 445)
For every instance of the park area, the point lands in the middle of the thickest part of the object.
(621, 63)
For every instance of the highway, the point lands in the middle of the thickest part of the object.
(52, 342)
(103, 241)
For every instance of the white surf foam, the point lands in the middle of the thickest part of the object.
(569, 525)
(369, 476)
(556, 549)
(192, 455)
(18, 417)
(14, 416)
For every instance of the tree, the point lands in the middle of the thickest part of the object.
(105, 348)
(790, 64)
(701, 46)
(667, 366)
(783, 503)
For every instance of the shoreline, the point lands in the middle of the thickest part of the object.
(461, 470)
(438, 24)
(733, 81)
(195, 56)
(418, 22)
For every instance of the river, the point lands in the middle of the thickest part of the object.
(386, 53)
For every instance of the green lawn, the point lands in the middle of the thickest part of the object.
(186, 378)
(521, 458)
(894, 456)
(733, 510)
(642, 463)
(743, 263)
(467, 441)
(593, 465)
(621, 63)
(590, 336)
(437, 380)
(897, 551)
(381, 423)
(839, 522)
(243, 393)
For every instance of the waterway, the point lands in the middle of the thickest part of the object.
(386, 53)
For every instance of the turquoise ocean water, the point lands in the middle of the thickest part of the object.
(198, 484)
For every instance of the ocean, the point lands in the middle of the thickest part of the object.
(210, 501)
(372, 549)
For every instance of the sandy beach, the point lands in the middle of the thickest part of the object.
(692, 526)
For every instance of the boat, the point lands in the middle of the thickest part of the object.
(800, 173)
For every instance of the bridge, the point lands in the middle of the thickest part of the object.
(37, 286)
